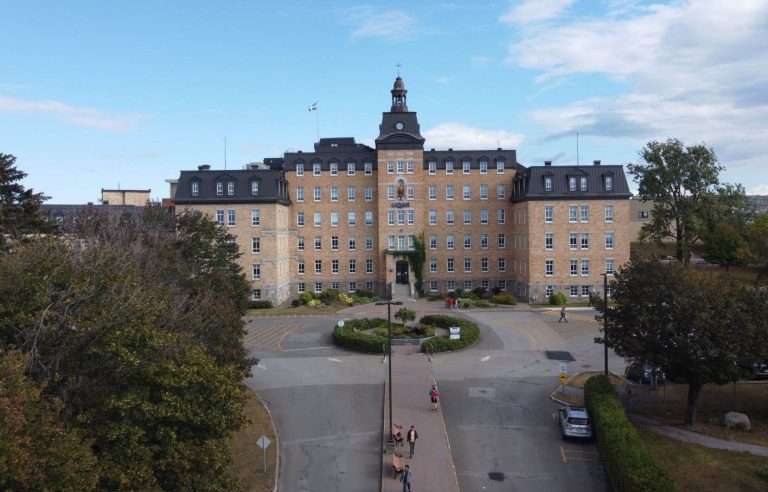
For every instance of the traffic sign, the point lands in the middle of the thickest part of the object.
(263, 442)
(563, 368)
(340, 323)
(563, 377)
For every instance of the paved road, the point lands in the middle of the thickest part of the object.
(327, 404)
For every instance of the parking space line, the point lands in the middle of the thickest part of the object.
(578, 455)
(562, 453)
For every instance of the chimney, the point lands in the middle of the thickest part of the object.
(450, 149)
(498, 149)
(547, 163)
(596, 162)
(203, 167)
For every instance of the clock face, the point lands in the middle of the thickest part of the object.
(399, 125)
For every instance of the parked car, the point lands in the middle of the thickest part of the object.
(642, 372)
(756, 370)
(575, 422)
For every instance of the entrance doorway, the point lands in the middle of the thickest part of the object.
(401, 269)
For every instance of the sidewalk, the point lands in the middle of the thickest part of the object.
(432, 465)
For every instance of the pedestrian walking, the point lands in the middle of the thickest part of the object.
(406, 479)
(411, 438)
(434, 396)
(562, 315)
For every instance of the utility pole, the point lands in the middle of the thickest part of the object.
(605, 319)
(389, 355)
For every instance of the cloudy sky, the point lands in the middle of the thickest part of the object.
(126, 94)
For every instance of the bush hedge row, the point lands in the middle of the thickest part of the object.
(470, 333)
(260, 304)
(630, 465)
(349, 337)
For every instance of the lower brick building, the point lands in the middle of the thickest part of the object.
(346, 216)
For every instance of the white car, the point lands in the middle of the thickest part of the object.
(575, 422)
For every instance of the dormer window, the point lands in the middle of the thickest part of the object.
(547, 183)
(334, 169)
(254, 187)
(608, 183)
(583, 183)
(316, 169)
(230, 188)
(219, 188)
(432, 168)
(350, 168)
(299, 169)
(368, 166)
(195, 188)
(449, 167)
(499, 167)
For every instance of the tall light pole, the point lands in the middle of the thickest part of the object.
(605, 319)
(389, 356)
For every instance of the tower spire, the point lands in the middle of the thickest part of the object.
(399, 95)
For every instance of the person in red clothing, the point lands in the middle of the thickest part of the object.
(434, 396)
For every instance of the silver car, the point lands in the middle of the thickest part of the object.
(575, 422)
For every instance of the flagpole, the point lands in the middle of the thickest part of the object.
(317, 119)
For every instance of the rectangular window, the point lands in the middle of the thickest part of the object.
(584, 240)
(432, 192)
(390, 167)
(467, 265)
(368, 166)
(391, 217)
(572, 210)
(549, 241)
(255, 294)
(608, 240)
(583, 184)
(608, 183)
(351, 169)
(400, 167)
(433, 241)
(195, 188)
(351, 193)
(449, 241)
(351, 220)
(574, 268)
(299, 169)
(334, 243)
(400, 217)
(449, 217)
(302, 287)
(368, 243)
(299, 193)
(334, 219)
(502, 241)
(318, 287)
(255, 217)
(484, 241)
(501, 216)
(500, 192)
(319, 266)
(353, 287)
(256, 271)
(409, 192)
(572, 183)
(467, 217)
(409, 167)
(231, 217)
(368, 266)
(485, 284)
(500, 167)
(502, 264)
(318, 219)
(334, 193)
(369, 218)
(449, 267)
(467, 241)
(318, 193)
(484, 217)
(432, 286)
(254, 187)
(433, 265)
(449, 192)
(219, 188)
(390, 192)
(465, 166)
(549, 290)
(609, 213)
(369, 286)
(300, 243)
(334, 169)
(548, 183)
(483, 167)
(316, 169)
(585, 291)
(230, 188)
(484, 265)
(584, 267)
(585, 213)
(483, 191)
(368, 193)
(549, 214)
(449, 167)
(432, 217)
(220, 217)
(609, 266)
(255, 245)
(466, 192)
(549, 267)
(432, 168)
(573, 290)
(572, 241)
(411, 216)
(391, 242)
(352, 243)
(318, 243)
(352, 266)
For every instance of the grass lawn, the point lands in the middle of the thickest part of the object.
(248, 462)
(696, 468)
(667, 404)
(303, 309)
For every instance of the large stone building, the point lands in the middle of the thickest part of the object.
(339, 216)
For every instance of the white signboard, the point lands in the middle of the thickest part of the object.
(454, 330)
(563, 368)
(263, 442)
(455, 337)
(340, 324)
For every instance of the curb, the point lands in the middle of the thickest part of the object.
(277, 440)
(561, 402)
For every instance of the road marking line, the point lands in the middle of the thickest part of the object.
(533, 342)
(332, 359)
(484, 359)
(562, 453)
(308, 348)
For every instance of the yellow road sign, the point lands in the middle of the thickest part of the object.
(563, 377)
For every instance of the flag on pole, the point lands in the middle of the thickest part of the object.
(313, 107)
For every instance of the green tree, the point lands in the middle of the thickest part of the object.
(695, 324)
(756, 234)
(405, 315)
(683, 183)
(19, 207)
(36, 451)
(724, 245)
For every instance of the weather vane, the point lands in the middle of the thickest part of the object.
(398, 69)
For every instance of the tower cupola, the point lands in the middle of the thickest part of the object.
(399, 96)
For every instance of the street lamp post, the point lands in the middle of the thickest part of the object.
(605, 319)
(389, 356)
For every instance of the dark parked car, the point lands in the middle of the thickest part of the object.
(757, 370)
(575, 422)
(642, 372)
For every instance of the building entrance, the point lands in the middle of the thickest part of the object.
(401, 269)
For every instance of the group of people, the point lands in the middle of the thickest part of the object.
(412, 435)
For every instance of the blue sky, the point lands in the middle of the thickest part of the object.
(104, 94)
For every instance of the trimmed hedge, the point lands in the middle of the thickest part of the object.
(351, 339)
(629, 464)
(264, 304)
(470, 333)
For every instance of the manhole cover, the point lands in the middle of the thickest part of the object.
(559, 355)
(496, 476)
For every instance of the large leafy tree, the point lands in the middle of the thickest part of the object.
(19, 207)
(725, 245)
(756, 235)
(683, 183)
(696, 324)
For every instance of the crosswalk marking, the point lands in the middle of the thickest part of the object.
(269, 337)
(579, 327)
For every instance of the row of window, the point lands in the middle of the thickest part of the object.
(579, 184)
(575, 289)
(450, 265)
(220, 185)
(466, 167)
(434, 286)
(317, 194)
(351, 266)
(466, 192)
(351, 243)
(317, 219)
(318, 286)
(450, 217)
(392, 192)
(450, 241)
(574, 239)
(549, 267)
(576, 213)
(334, 169)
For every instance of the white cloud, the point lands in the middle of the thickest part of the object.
(693, 70)
(87, 117)
(529, 11)
(479, 61)
(372, 22)
(460, 136)
(758, 190)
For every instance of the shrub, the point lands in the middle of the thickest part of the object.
(496, 290)
(315, 303)
(628, 462)
(470, 333)
(405, 315)
(557, 299)
(481, 304)
(261, 304)
(295, 303)
(305, 297)
(364, 293)
(346, 299)
(328, 296)
(479, 292)
(349, 336)
(503, 298)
